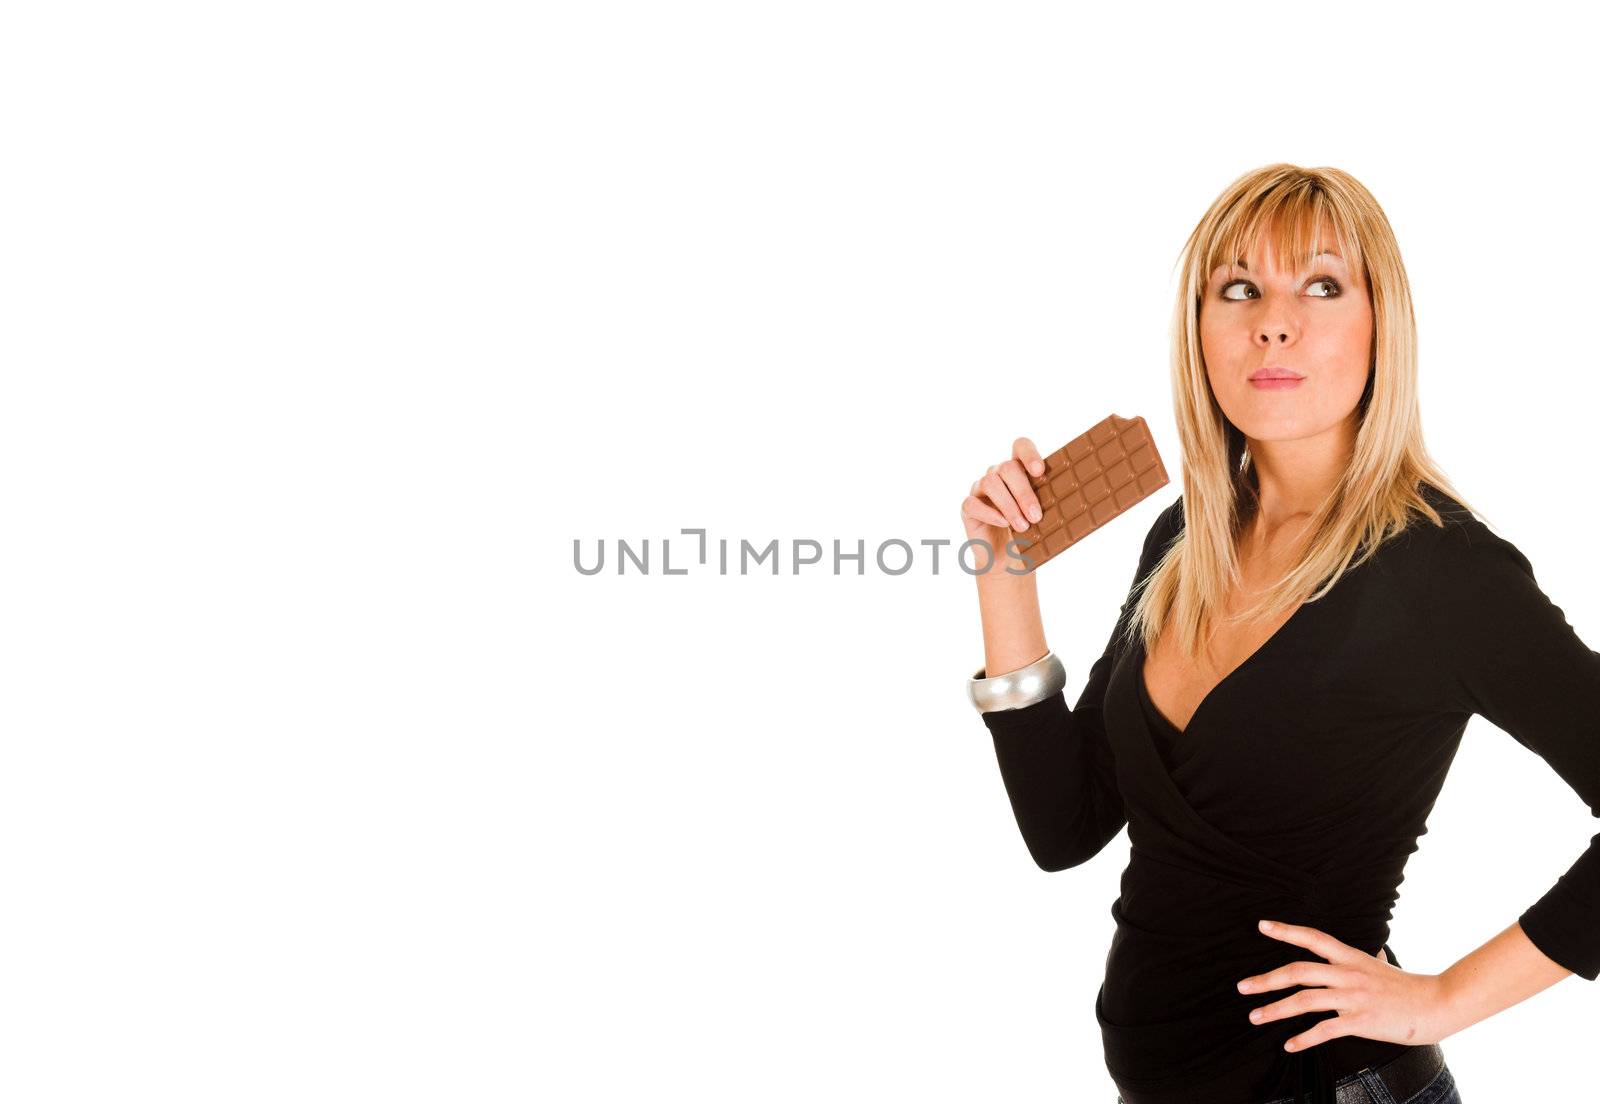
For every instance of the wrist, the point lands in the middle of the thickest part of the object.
(1002, 566)
(1017, 689)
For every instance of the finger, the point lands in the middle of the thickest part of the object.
(1022, 449)
(1308, 1000)
(1021, 490)
(999, 494)
(1333, 1027)
(1297, 973)
(975, 507)
(1312, 939)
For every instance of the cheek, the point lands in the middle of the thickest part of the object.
(1219, 344)
(1344, 350)
(1348, 346)
(1350, 333)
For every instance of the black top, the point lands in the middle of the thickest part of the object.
(1297, 792)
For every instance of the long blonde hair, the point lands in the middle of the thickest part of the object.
(1379, 490)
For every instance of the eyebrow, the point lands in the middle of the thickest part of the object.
(1323, 253)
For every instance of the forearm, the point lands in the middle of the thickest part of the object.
(1504, 971)
(1013, 630)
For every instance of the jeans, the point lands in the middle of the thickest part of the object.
(1441, 1090)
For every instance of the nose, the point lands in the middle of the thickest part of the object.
(1277, 329)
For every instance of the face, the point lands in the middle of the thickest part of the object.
(1310, 321)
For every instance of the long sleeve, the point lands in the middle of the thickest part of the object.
(1056, 763)
(1506, 652)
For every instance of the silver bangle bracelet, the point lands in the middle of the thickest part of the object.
(1020, 688)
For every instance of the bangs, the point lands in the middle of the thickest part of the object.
(1291, 220)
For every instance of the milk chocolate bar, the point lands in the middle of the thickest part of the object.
(1088, 481)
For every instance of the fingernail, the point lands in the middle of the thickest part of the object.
(1033, 512)
(1244, 987)
(1266, 925)
(1255, 1016)
(1037, 468)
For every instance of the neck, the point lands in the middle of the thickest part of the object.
(1294, 478)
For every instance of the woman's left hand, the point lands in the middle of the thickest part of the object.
(1374, 999)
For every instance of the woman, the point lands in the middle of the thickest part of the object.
(1310, 626)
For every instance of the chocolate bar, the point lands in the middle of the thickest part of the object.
(1088, 481)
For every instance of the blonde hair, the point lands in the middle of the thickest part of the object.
(1379, 490)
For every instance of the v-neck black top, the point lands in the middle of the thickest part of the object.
(1297, 792)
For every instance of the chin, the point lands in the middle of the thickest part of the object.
(1276, 431)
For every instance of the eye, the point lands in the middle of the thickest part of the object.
(1241, 290)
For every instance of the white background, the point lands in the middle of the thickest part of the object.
(329, 327)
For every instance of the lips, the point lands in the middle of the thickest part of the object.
(1275, 373)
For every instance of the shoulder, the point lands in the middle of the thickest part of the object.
(1163, 531)
(1464, 551)
(1454, 514)
(1159, 537)
(1169, 522)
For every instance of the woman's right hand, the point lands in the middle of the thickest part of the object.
(1002, 500)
